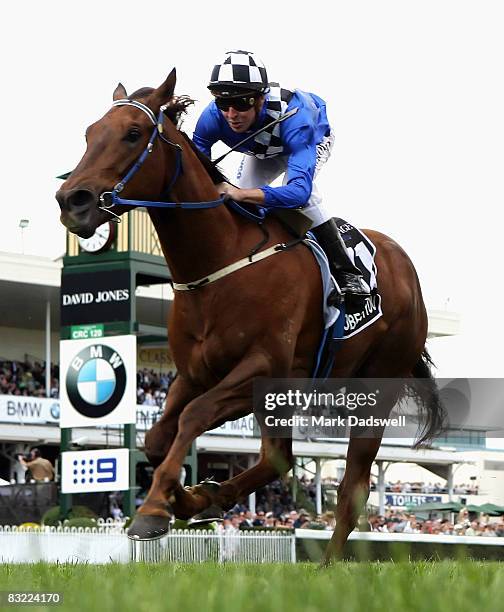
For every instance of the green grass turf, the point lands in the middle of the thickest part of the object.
(359, 587)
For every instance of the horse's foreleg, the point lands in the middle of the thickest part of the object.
(230, 399)
(353, 492)
(160, 436)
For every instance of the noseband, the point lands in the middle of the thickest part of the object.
(108, 199)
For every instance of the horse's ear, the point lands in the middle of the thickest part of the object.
(164, 92)
(119, 92)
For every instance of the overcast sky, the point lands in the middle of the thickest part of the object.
(415, 94)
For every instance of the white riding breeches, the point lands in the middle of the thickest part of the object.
(254, 172)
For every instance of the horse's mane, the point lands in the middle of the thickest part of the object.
(177, 107)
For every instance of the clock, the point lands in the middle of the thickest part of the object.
(101, 240)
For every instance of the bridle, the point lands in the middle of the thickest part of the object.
(109, 199)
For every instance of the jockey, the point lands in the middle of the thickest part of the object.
(298, 146)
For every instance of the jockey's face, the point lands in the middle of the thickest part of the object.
(242, 120)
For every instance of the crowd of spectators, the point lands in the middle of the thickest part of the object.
(396, 521)
(393, 522)
(152, 387)
(428, 488)
(275, 508)
(242, 518)
(27, 378)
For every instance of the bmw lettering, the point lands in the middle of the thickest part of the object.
(96, 380)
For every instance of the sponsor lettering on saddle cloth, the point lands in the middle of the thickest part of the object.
(358, 314)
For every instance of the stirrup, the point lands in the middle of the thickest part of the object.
(352, 285)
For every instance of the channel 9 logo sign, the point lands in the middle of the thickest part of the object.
(94, 471)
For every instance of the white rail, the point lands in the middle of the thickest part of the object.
(63, 545)
(189, 546)
(375, 536)
(108, 543)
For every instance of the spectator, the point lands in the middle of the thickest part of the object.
(259, 520)
(488, 532)
(37, 468)
(411, 525)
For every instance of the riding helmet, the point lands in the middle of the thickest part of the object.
(240, 73)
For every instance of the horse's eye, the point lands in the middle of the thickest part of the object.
(133, 135)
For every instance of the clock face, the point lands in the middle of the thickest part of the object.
(100, 240)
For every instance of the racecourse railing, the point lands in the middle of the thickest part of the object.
(189, 546)
(104, 544)
(108, 543)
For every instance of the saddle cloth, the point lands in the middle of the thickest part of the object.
(359, 314)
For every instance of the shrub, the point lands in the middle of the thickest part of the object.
(52, 517)
(80, 522)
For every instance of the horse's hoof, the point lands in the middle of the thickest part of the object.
(145, 527)
(210, 485)
(206, 488)
(209, 515)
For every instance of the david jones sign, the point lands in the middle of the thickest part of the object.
(117, 295)
(92, 297)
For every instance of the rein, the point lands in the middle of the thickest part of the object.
(108, 199)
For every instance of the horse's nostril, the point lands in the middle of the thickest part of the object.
(80, 198)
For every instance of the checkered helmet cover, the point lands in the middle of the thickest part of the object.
(240, 71)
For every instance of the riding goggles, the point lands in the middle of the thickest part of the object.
(240, 103)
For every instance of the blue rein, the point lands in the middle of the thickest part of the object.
(108, 199)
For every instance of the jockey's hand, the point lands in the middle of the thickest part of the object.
(227, 189)
(254, 196)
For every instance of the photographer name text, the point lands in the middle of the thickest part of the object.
(313, 420)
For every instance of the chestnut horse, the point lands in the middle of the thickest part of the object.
(264, 320)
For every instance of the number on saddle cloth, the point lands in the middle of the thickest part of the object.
(360, 314)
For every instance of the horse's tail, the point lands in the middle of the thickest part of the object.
(431, 411)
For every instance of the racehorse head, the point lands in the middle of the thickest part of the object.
(114, 143)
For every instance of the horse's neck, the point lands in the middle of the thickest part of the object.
(195, 242)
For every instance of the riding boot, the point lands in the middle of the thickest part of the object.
(347, 275)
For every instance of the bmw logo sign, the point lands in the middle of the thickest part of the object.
(55, 411)
(96, 380)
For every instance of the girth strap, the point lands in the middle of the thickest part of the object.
(242, 263)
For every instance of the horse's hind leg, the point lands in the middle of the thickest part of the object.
(352, 492)
(275, 460)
